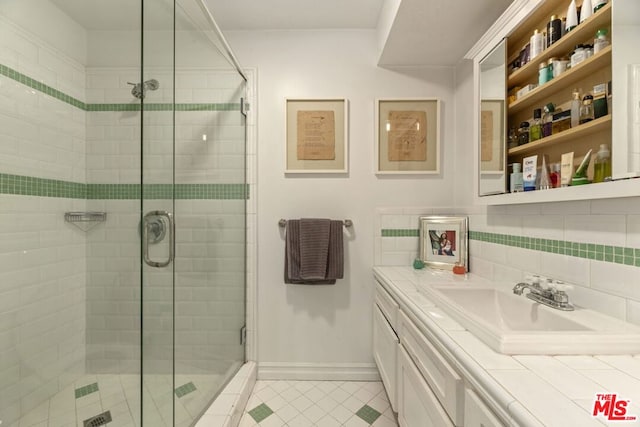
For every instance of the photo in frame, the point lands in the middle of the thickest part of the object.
(317, 138)
(491, 135)
(444, 241)
(407, 136)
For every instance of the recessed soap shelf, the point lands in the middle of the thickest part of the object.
(85, 220)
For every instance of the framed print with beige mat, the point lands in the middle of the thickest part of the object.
(407, 136)
(317, 139)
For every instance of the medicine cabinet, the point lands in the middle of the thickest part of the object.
(493, 121)
(619, 129)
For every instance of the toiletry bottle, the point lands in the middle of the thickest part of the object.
(547, 119)
(575, 108)
(598, 4)
(543, 73)
(554, 175)
(535, 130)
(513, 138)
(545, 181)
(586, 109)
(572, 16)
(601, 40)
(602, 165)
(523, 133)
(554, 30)
(536, 43)
(586, 10)
(515, 183)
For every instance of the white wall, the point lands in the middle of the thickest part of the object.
(327, 328)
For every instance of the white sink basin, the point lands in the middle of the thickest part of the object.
(512, 324)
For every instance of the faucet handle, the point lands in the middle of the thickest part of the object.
(559, 285)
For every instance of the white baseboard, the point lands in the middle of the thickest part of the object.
(318, 371)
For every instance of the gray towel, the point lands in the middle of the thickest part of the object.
(314, 252)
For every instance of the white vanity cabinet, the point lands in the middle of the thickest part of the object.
(476, 413)
(386, 342)
(423, 385)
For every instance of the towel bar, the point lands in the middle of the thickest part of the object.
(346, 222)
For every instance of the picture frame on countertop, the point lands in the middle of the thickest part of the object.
(407, 136)
(317, 136)
(444, 241)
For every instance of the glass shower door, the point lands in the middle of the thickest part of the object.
(156, 94)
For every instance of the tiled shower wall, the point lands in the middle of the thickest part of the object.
(42, 258)
(210, 223)
(594, 246)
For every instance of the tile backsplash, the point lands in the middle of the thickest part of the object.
(593, 246)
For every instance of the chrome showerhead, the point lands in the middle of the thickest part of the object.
(139, 89)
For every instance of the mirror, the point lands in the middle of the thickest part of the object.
(493, 122)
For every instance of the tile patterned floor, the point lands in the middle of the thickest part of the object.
(92, 395)
(318, 403)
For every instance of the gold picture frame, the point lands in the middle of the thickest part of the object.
(317, 136)
(407, 136)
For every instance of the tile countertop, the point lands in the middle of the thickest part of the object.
(529, 390)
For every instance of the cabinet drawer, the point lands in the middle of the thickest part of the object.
(385, 354)
(388, 306)
(445, 382)
(476, 413)
(417, 406)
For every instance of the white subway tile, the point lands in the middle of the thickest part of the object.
(567, 268)
(600, 229)
(617, 279)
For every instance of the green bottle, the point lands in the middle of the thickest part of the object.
(535, 130)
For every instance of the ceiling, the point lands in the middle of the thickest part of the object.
(424, 32)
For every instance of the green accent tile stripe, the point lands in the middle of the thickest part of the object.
(32, 186)
(598, 252)
(88, 389)
(398, 232)
(595, 251)
(368, 414)
(40, 87)
(260, 412)
(185, 389)
(132, 106)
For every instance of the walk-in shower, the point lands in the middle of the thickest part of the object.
(122, 232)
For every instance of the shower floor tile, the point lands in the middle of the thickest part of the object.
(318, 403)
(92, 395)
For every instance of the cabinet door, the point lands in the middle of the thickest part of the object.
(476, 413)
(417, 405)
(385, 353)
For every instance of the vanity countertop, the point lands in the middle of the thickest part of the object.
(533, 390)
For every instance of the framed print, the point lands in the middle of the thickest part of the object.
(491, 136)
(443, 241)
(317, 136)
(407, 136)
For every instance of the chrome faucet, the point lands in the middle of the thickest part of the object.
(549, 296)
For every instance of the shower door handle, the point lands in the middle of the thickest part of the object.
(145, 238)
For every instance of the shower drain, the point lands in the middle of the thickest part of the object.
(98, 420)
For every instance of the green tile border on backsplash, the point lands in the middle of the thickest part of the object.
(595, 251)
(32, 186)
(97, 107)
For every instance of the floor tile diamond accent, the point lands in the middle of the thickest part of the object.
(185, 389)
(368, 414)
(260, 412)
(88, 389)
